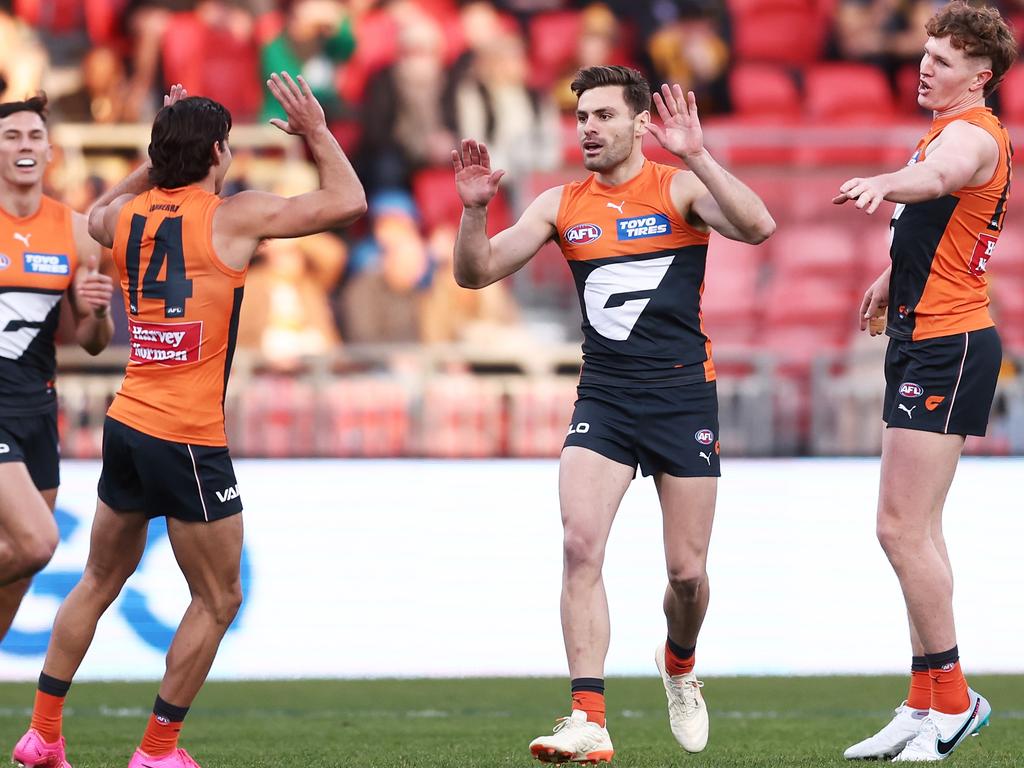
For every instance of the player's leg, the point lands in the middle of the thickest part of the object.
(590, 489)
(12, 594)
(28, 532)
(209, 555)
(688, 511)
(115, 548)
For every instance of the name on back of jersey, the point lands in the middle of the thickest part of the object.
(637, 227)
(165, 343)
(47, 264)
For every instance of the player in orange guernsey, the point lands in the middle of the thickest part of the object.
(635, 234)
(943, 357)
(45, 253)
(182, 252)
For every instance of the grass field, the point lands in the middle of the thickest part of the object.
(755, 722)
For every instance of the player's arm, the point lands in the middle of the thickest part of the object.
(90, 292)
(963, 155)
(339, 201)
(479, 260)
(105, 211)
(711, 196)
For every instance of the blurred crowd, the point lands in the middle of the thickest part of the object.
(401, 81)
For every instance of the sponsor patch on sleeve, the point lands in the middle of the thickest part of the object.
(637, 227)
(165, 343)
(47, 264)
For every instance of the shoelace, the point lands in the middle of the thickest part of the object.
(686, 690)
(928, 734)
(565, 722)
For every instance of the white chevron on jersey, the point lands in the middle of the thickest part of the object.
(32, 307)
(616, 323)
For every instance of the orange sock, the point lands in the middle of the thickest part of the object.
(592, 703)
(920, 694)
(949, 689)
(678, 661)
(47, 714)
(161, 736)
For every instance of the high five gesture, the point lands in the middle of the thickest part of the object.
(475, 182)
(680, 132)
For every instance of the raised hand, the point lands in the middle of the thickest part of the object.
(474, 180)
(176, 94)
(680, 131)
(304, 112)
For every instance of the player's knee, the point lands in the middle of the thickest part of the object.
(581, 551)
(891, 535)
(33, 552)
(223, 605)
(686, 581)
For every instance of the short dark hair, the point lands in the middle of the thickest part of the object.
(35, 104)
(635, 88)
(977, 32)
(182, 140)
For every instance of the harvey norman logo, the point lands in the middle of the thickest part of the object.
(165, 343)
(637, 227)
(47, 264)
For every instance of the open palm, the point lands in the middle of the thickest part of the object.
(475, 182)
(679, 131)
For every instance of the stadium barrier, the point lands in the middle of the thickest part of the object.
(348, 564)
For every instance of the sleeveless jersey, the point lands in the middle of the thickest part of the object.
(940, 248)
(639, 272)
(37, 264)
(182, 305)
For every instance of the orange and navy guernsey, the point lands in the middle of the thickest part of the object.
(639, 272)
(182, 304)
(38, 260)
(940, 248)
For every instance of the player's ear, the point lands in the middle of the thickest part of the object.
(640, 122)
(980, 79)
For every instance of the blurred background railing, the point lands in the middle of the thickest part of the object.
(359, 343)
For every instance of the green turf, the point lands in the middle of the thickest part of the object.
(755, 722)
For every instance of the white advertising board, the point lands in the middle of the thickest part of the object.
(452, 568)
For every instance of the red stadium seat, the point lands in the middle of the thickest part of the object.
(763, 91)
(539, 411)
(1011, 95)
(815, 250)
(462, 418)
(784, 35)
(1008, 258)
(847, 92)
(552, 39)
(729, 304)
(364, 417)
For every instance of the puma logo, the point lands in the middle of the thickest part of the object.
(706, 457)
(910, 410)
(23, 238)
(616, 207)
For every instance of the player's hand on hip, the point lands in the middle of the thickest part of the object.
(176, 93)
(475, 182)
(95, 291)
(868, 193)
(680, 132)
(300, 105)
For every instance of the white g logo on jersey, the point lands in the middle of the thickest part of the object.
(616, 322)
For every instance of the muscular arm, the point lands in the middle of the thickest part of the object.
(720, 200)
(480, 261)
(90, 292)
(102, 222)
(963, 155)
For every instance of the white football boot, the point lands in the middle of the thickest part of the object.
(891, 740)
(687, 713)
(574, 740)
(941, 733)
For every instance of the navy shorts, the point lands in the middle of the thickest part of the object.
(672, 429)
(944, 384)
(161, 478)
(32, 440)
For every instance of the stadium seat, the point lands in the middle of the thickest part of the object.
(539, 411)
(275, 417)
(552, 43)
(1008, 258)
(364, 417)
(763, 92)
(815, 250)
(779, 35)
(1011, 96)
(462, 418)
(847, 92)
(729, 304)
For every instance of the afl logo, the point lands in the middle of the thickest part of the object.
(704, 436)
(581, 234)
(5, 262)
(910, 389)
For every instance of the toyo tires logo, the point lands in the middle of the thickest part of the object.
(135, 606)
